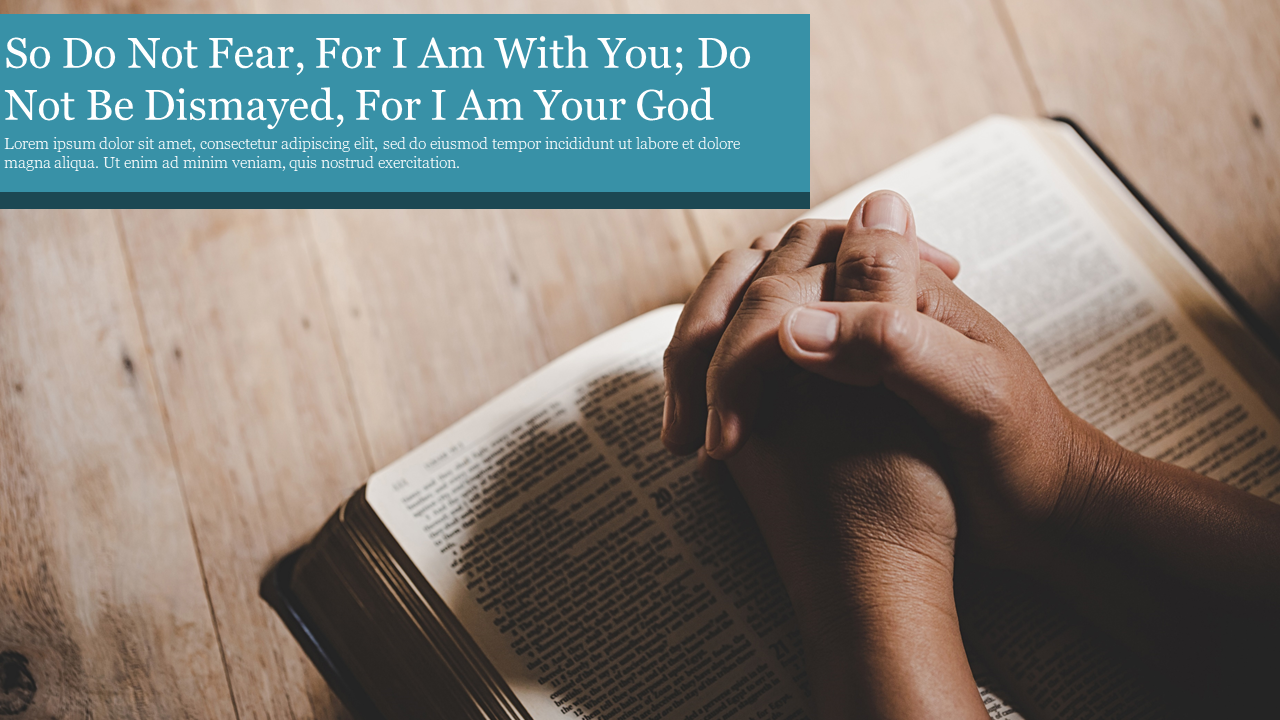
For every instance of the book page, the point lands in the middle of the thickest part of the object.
(1116, 346)
(602, 576)
(989, 690)
(1066, 266)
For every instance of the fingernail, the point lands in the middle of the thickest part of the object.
(713, 429)
(886, 211)
(814, 330)
(668, 413)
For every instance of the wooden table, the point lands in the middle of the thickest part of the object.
(186, 395)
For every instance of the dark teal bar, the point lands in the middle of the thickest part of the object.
(405, 200)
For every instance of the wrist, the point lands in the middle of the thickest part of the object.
(872, 577)
(1095, 467)
(892, 647)
(1137, 511)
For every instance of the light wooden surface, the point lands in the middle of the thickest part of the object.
(1184, 96)
(102, 609)
(185, 396)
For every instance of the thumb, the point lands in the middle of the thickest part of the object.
(950, 379)
(879, 256)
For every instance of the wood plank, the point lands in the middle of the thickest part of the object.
(438, 311)
(260, 417)
(887, 79)
(926, 70)
(124, 6)
(433, 313)
(102, 606)
(410, 383)
(1185, 98)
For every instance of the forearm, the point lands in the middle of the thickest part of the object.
(1180, 568)
(1171, 522)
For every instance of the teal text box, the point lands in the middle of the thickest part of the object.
(273, 104)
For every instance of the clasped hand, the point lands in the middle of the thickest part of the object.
(919, 373)
(877, 420)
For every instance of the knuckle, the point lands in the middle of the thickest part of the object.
(719, 372)
(895, 331)
(767, 240)
(944, 306)
(947, 304)
(804, 228)
(874, 269)
(773, 295)
(736, 257)
(768, 288)
(727, 370)
(931, 301)
(716, 368)
(671, 356)
(692, 338)
(682, 339)
(684, 349)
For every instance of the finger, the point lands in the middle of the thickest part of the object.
(805, 243)
(767, 241)
(693, 344)
(948, 378)
(879, 257)
(812, 242)
(940, 299)
(945, 262)
(749, 350)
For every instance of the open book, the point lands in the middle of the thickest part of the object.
(545, 557)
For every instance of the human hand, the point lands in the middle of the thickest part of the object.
(844, 486)
(731, 309)
(1020, 463)
(862, 532)
(1139, 545)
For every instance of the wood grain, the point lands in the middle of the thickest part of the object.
(438, 311)
(102, 607)
(262, 427)
(297, 351)
(887, 79)
(1185, 98)
(124, 6)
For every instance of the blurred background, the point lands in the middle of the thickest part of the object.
(186, 395)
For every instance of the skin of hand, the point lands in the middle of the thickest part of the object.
(843, 483)
(741, 326)
(1036, 488)
(844, 486)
